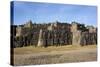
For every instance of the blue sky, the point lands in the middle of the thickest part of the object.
(49, 12)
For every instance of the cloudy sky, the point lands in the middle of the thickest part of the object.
(50, 12)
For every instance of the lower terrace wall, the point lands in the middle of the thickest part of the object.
(88, 38)
(51, 38)
(55, 38)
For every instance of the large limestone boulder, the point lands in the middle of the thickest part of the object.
(19, 31)
(76, 40)
(50, 28)
(41, 41)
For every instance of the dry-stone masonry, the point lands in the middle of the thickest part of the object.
(52, 34)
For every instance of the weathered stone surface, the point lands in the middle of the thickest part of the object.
(41, 41)
(88, 38)
(53, 34)
(19, 31)
(76, 38)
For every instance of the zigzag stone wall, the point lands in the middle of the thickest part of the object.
(58, 34)
(88, 38)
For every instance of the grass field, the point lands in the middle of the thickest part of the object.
(52, 55)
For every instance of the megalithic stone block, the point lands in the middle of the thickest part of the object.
(76, 38)
(41, 41)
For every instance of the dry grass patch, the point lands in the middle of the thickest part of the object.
(31, 49)
(53, 55)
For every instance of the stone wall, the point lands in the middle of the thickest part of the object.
(56, 34)
(88, 38)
